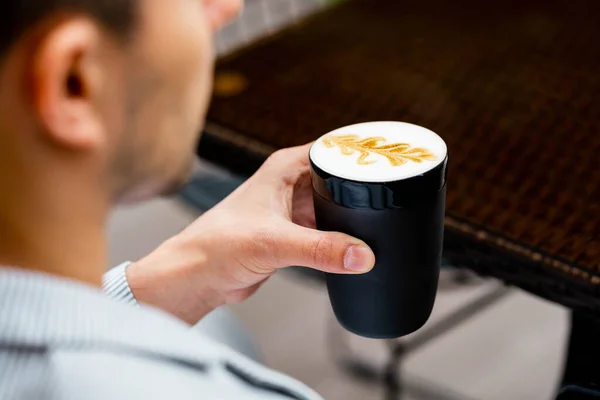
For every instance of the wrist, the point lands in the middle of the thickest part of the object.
(175, 278)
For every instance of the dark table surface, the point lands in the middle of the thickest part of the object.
(512, 86)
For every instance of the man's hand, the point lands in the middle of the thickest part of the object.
(267, 224)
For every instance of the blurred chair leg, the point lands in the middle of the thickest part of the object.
(391, 375)
(581, 366)
(392, 378)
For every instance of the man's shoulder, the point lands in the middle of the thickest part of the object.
(57, 374)
(73, 343)
(24, 373)
(99, 374)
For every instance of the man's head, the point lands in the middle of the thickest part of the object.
(111, 92)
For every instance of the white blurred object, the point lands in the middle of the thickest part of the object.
(262, 18)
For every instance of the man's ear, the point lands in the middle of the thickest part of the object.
(63, 83)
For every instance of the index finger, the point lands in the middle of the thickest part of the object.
(299, 153)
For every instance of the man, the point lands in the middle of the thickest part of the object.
(102, 102)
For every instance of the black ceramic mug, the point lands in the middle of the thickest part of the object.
(384, 183)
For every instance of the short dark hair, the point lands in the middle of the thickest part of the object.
(17, 16)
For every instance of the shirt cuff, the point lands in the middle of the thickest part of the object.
(115, 285)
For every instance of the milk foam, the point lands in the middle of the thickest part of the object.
(416, 151)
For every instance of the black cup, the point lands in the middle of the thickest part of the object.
(403, 222)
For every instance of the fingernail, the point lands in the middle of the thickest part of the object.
(359, 258)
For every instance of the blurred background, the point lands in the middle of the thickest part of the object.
(485, 341)
(513, 350)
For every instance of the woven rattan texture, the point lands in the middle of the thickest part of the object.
(512, 86)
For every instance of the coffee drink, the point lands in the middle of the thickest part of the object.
(379, 151)
(384, 183)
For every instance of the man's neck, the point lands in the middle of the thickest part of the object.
(53, 223)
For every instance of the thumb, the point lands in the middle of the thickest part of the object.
(325, 251)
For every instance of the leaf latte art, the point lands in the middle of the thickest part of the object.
(397, 153)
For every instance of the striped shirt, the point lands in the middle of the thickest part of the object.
(64, 340)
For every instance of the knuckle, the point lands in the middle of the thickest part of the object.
(289, 164)
(278, 157)
(262, 252)
(322, 251)
(261, 241)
